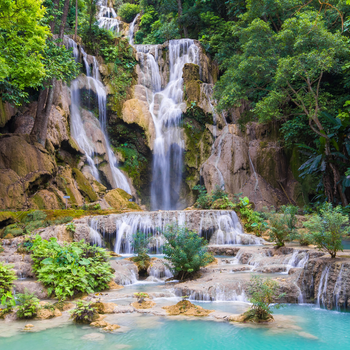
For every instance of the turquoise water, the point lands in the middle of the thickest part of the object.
(156, 333)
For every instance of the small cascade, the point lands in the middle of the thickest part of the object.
(119, 180)
(218, 155)
(132, 29)
(292, 262)
(95, 237)
(118, 229)
(322, 287)
(107, 17)
(166, 107)
(160, 273)
(338, 288)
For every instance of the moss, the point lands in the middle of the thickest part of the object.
(119, 199)
(38, 201)
(84, 186)
(6, 218)
(263, 144)
(14, 230)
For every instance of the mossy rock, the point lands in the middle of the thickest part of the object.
(119, 199)
(7, 218)
(84, 186)
(13, 230)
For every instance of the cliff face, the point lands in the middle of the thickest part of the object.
(327, 282)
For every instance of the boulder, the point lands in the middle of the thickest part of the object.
(119, 199)
(33, 287)
(137, 111)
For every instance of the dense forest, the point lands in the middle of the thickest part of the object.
(286, 62)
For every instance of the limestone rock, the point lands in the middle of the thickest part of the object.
(137, 111)
(119, 199)
(44, 313)
(146, 304)
(6, 112)
(186, 308)
(191, 80)
(104, 308)
(33, 287)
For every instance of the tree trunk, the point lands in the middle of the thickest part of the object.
(179, 7)
(53, 22)
(64, 19)
(43, 112)
(76, 20)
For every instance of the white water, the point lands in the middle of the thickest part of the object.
(322, 287)
(132, 28)
(107, 18)
(166, 107)
(78, 131)
(338, 288)
(210, 224)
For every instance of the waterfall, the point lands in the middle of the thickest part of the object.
(338, 288)
(107, 18)
(78, 131)
(132, 28)
(322, 287)
(118, 229)
(166, 107)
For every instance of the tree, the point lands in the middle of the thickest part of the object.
(263, 292)
(186, 251)
(281, 71)
(22, 38)
(328, 228)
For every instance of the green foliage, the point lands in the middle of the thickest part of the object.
(186, 251)
(7, 276)
(84, 312)
(70, 227)
(70, 269)
(128, 11)
(27, 305)
(139, 243)
(204, 200)
(8, 301)
(141, 296)
(282, 226)
(328, 228)
(263, 292)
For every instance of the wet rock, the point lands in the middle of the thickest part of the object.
(146, 304)
(104, 308)
(126, 272)
(33, 287)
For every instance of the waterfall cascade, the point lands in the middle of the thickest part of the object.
(107, 17)
(166, 107)
(218, 227)
(78, 131)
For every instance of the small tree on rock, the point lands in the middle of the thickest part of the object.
(186, 251)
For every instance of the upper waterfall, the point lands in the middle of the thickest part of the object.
(166, 107)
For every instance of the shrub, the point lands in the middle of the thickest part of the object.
(139, 242)
(84, 312)
(128, 11)
(282, 226)
(7, 276)
(204, 200)
(71, 268)
(186, 251)
(27, 305)
(263, 292)
(8, 302)
(327, 229)
(70, 227)
(141, 296)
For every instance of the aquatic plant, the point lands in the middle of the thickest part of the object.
(141, 296)
(186, 251)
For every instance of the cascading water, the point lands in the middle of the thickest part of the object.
(166, 107)
(78, 132)
(107, 18)
(119, 229)
(132, 29)
(322, 287)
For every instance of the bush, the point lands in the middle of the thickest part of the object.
(262, 294)
(70, 227)
(141, 297)
(84, 312)
(282, 226)
(186, 251)
(204, 200)
(8, 302)
(327, 229)
(27, 305)
(139, 242)
(128, 11)
(70, 269)
(7, 276)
